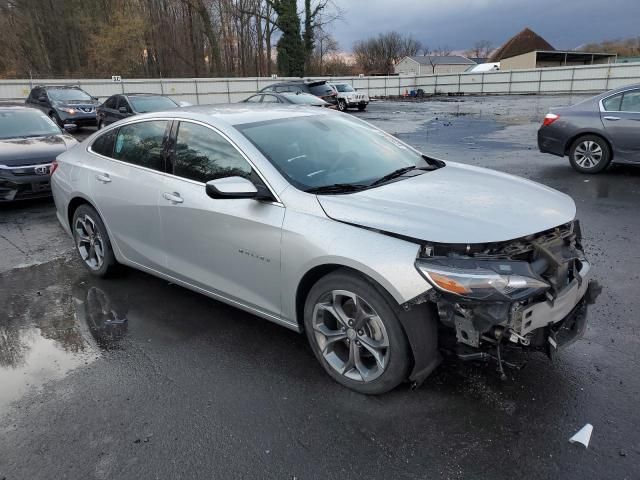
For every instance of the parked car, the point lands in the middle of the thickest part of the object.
(70, 107)
(596, 131)
(290, 98)
(348, 97)
(364, 243)
(319, 88)
(120, 106)
(29, 143)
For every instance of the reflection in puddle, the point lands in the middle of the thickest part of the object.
(46, 334)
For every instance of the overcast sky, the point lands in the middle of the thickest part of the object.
(565, 24)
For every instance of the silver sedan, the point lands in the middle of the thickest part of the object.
(327, 225)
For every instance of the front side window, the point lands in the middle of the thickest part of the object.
(104, 143)
(142, 144)
(202, 155)
(631, 101)
(122, 102)
(323, 150)
(111, 102)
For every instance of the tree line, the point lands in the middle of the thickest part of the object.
(163, 38)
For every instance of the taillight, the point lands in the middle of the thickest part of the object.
(549, 118)
(53, 167)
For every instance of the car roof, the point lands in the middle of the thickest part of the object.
(142, 95)
(59, 86)
(240, 113)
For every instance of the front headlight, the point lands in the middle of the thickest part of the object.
(69, 110)
(492, 280)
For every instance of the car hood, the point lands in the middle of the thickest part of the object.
(455, 204)
(24, 151)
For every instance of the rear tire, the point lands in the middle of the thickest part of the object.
(92, 242)
(355, 333)
(589, 154)
(362, 108)
(100, 125)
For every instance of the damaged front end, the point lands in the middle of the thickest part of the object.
(531, 292)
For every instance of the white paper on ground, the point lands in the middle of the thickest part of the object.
(583, 435)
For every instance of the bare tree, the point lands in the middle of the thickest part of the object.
(442, 51)
(480, 49)
(380, 54)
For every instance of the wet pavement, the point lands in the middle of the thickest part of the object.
(134, 377)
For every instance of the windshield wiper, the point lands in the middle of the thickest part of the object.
(338, 188)
(390, 176)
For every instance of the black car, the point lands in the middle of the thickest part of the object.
(297, 98)
(120, 106)
(70, 107)
(29, 144)
(319, 88)
(595, 132)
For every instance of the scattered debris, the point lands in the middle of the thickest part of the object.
(583, 435)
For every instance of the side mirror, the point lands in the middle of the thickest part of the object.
(231, 187)
(123, 110)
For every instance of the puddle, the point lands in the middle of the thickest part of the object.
(45, 333)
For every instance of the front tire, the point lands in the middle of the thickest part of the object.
(589, 154)
(342, 105)
(92, 242)
(355, 333)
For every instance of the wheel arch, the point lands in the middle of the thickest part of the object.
(419, 322)
(74, 203)
(596, 133)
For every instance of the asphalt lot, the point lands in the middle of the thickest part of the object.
(137, 378)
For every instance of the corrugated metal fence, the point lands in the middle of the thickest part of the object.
(587, 79)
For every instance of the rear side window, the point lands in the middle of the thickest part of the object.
(202, 155)
(612, 104)
(142, 144)
(104, 143)
(321, 90)
(631, 101)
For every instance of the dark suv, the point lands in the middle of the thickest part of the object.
(319, 88)
(68, 106)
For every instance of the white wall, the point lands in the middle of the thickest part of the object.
(583, 79)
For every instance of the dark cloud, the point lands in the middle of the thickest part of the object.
(458, 24)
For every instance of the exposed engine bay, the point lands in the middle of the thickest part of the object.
(530, 292)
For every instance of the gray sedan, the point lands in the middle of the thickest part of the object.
(596, 131)
(380, 254)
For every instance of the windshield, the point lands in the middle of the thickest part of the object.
(343, 87)
(68, 94)
(26, 123)
(321, 150)
(151, 104)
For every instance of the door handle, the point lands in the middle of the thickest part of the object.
(103, 177)
(173, 197)
(613, 119)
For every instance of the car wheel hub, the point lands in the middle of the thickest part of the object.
(588, 154)
(89, 242)
(351, 336)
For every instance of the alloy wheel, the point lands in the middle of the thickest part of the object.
(89, 242)
(588, 154)
(351, 336)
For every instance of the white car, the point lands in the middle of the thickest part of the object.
(348, 97)
(381, 254)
